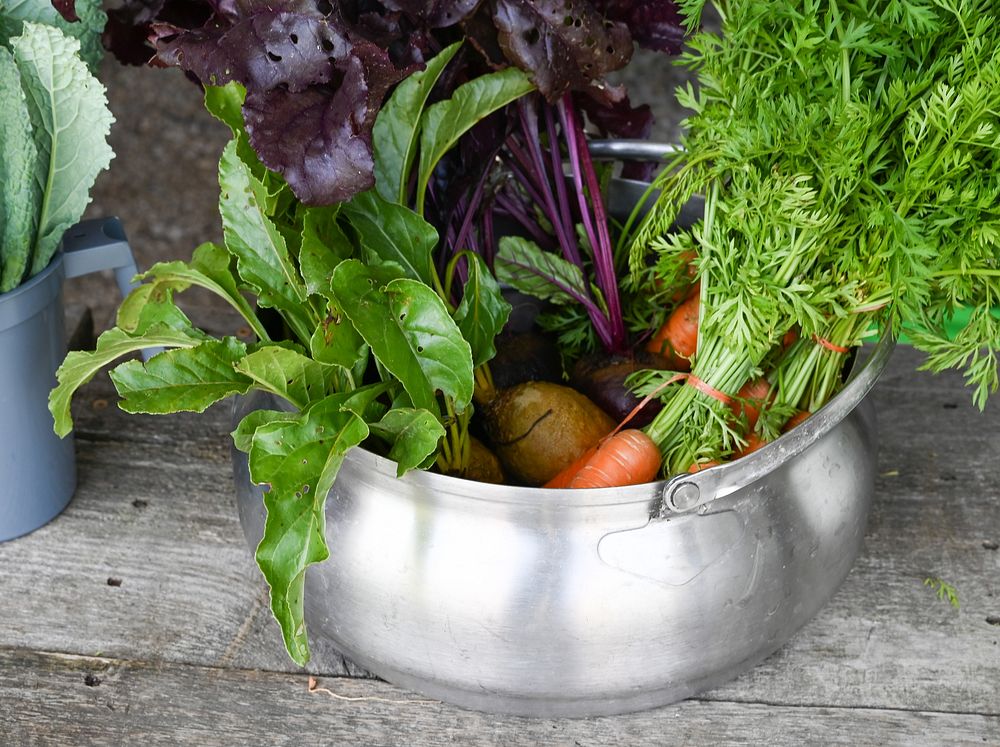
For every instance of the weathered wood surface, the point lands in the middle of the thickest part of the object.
(60, 699)
(146, 583)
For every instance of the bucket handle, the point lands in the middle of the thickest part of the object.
(100, 244)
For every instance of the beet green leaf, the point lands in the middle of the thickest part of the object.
(410, 332)
(299, 460)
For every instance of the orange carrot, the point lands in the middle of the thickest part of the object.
(795, 420)
(629, 457)
(754, 442)
(699, 466)
(750, 398)
(678, 337)
(563, 479)
(789, 338)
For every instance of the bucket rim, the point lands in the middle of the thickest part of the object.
(26, 300)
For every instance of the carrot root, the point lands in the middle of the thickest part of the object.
(563, 479)
(630, 457)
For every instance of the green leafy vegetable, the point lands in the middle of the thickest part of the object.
(446, 121)
(299, 460)
(288, 374)
(337, 343)
(210, 269)
(184, 379)
(20, 193)
(324, 246)
(483, 311)
(151, 306)
(261, 253)
(409, 331)
(414, 435)
(525, 266)
(397, 127)
(80, 366)
(243, 435)
(394, 233)
(70, 122)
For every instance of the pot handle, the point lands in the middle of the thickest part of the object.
(631, 150)
(686, 492)
(100, 244)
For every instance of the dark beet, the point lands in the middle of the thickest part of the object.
(602, 379)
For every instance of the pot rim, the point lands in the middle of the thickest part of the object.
(713, 483)
(30, 297)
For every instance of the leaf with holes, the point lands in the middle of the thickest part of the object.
(182, 380)
(299, 460)
(81, 366)
(413, 436)
(409, 331)
(289, 374)
(564, 44)
(262, 257)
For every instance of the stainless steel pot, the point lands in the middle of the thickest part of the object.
(588, 602)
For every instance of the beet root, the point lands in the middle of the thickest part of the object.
(538, 428)
(483, 464)
(602, 379)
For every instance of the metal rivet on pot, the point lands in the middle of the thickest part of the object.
(685, 496)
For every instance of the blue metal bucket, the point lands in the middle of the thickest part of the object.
(37, 468)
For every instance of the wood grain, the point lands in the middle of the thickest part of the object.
(99, 701)
(155, 511)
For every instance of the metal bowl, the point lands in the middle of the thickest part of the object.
(588, 602)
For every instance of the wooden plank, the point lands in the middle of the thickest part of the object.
(58, 699)
(155, 510)
(936, 514)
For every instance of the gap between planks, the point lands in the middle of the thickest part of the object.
(361, 682)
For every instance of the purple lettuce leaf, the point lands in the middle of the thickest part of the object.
(616, 117)
(126, 34)
(324, 156)
(407, 41)
(264, 50)
(67, 9)
(562, 44)
(434, 13)
(313, 89)
(654, 24)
